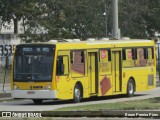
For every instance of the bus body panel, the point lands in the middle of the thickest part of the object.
(102, 67)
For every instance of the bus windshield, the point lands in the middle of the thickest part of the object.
(33, 66)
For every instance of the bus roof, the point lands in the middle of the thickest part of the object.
(100, 44)
(104, 44)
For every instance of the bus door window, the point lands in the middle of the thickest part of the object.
(124, 54)
(62, 65)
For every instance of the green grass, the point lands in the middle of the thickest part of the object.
(2, 72)
(152, 103)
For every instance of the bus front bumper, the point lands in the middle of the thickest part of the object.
(34, 94)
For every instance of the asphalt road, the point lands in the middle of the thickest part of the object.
(27, 105)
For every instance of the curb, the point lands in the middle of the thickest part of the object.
(5, 95)
(5, 99)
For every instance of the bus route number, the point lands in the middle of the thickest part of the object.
(27, 49)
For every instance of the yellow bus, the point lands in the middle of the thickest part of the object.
(76, 70)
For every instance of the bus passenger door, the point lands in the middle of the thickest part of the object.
(116, 71)
(93, 72)
(62, 75)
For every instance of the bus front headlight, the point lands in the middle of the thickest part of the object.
(48, 87)
(16, 88)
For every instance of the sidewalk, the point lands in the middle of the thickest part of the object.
(7, 91)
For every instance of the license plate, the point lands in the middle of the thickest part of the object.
(30, 92)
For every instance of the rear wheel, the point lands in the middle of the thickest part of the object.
(130, 88)
(37, 101)
(77, 93)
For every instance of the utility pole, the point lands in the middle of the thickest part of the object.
(116, 30)
(106, 20)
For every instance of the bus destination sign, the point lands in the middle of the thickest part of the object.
(36, 49)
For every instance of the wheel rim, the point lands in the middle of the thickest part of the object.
(130, 88)
(77, 93)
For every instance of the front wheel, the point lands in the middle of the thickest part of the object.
(77, 94)
(130, 88)
(37, 101)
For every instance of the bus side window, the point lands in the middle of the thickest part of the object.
(145, 52)
(124, 54)
(134, 53)
(71, 57)
(152, 53)
(105, 55)
(77, 63)
(62, 65)
(109, 55)
(82, 57)
(77, 57)
(129, 54)
(105, 61)
(141, 57)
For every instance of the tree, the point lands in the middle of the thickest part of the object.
(153, 17)
(50, 19)
(61, 19)
(12, 10)
(132, 23)
(139, 18)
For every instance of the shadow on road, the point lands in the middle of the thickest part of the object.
(92, 99)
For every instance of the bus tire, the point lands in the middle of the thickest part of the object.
(37, 101)
(130, 88)
(77, 93)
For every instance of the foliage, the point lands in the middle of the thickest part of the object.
(50, 19)
(139, 18)
(12, 10)
(72, 19)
